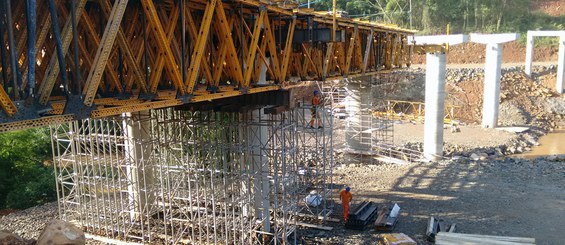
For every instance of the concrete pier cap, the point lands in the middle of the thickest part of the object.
(561, 56)
(493, 65)
(439, 39)
(435, 90)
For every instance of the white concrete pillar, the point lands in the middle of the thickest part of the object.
(529, 54)
(493, 64)
(263, 73)
(137, 156)
(358, 127)
(435, 103)
(491, 95)
(262, 186)
(561, 66)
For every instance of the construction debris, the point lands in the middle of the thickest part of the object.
(448, 238)
(386, 221)
(395, 239)
(361, 216)
(437, 225)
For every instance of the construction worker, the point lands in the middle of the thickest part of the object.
(345, 197)
(314, 110)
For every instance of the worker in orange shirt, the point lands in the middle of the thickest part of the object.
(345, 197)
(314, 110)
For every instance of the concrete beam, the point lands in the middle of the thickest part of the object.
(439, 39)
(494, 38)
(546, 33)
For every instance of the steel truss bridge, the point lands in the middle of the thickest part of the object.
(64, 60)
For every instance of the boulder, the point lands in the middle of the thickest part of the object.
(61, 232)
(475, 157)
(8, 238)
(483, 156)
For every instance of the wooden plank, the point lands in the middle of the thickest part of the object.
(449, 238)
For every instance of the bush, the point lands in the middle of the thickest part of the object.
(25, 178)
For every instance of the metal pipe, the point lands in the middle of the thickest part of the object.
(13, 51)
(75, 47)
(31, 28)
(183, 46)
(3, 54)
(59, 45)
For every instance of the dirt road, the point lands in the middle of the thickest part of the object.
(503, 198)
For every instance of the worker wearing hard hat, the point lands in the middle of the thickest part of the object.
(345, 197)
(314, 109)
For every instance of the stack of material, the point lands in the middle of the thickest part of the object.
(395, 239)
(361, 216)
(437, 225)
(448, 238)
(387, 220)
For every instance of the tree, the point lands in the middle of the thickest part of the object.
(26, 174)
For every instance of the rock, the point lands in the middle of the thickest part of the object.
(483, 156)
(7, 238)
(475, 157)
(552, 158)
(512, 149)
(61, 232)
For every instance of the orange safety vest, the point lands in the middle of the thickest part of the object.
(345, 197)
(315, 100)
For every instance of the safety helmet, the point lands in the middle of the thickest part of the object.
(316, 92)
(347, 189)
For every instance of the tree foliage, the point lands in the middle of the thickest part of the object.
(464, 16)
(26, 174)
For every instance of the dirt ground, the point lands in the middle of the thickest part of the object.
(474, 53)
(504, 198)
(471, 136)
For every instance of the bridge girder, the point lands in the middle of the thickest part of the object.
(130, 56)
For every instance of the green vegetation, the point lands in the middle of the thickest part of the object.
(26, 172)
(464, 16)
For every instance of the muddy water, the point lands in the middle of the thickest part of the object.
(550, 144)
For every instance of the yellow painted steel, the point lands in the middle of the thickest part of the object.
(160, 63)
(164, 45)
(224, 49)
(104, 50)
(350, 50)
(53, 70)
(198, 51)
(414, 111)
(253, 48)
(287, 49)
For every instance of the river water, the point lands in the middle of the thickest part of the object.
(550, 144)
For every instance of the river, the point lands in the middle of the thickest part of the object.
(550, 144)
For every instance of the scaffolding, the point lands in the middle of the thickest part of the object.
(170, 176)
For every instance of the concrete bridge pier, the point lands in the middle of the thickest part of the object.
(561, 59)
(435, 48)
(493, 65)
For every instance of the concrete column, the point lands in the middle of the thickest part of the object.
(491, 95)
(137, 156)
(262, 185)
(263, 74)
(435, 103)
(529, 54)
(358, 124)
(561, 65)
